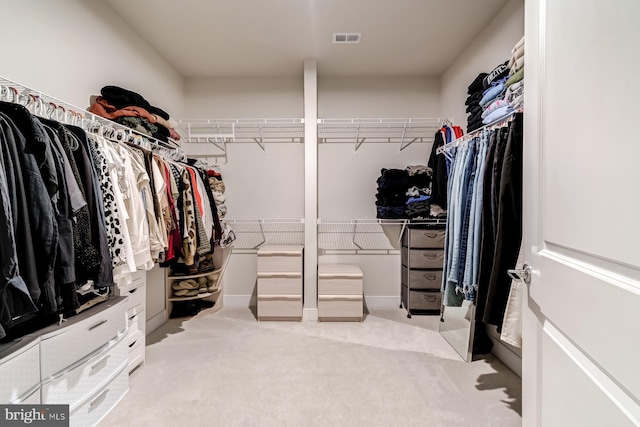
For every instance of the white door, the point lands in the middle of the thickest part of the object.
(581, 355)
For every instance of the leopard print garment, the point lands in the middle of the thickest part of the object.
(113, 219)
(189, 237)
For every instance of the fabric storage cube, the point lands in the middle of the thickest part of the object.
(424, 258)
(422, 279)
(422, 300)
(424, 238)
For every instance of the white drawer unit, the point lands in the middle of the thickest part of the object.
(73, 386)
(80, 337)
(93, 409)
(19, 370)
(340, 290)
(136, 293)
(81, 362)
(280, 282)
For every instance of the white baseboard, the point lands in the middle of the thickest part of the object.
(156, 321)
(237, 300)
(382, 301)
(309, 314)
(507, 354)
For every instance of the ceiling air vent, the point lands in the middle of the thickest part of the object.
(346, 37)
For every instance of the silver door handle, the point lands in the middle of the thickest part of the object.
(522, 275)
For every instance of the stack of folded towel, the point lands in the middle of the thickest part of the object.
(515, 84)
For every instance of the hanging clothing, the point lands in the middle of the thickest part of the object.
(484, 221)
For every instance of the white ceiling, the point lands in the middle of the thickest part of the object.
(213, 38)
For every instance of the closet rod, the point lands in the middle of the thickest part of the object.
(52, 107)
(464, 138)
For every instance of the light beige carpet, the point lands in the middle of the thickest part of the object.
(227, 369)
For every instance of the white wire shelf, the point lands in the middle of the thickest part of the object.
(219, 132)
(251, 233)
(359, 235)
(360, 131)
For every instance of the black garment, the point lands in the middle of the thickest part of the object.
(476, 85)
(438, 163)
(87, 255)
(121, 98)
(487, 244)
(103, 274)
(391, 199)
(33, 153)
(496, 74)
(19, 209)
(474, 108)
(509, 225)
(416, 209)
(65, 275)
(15, 300)
(393, 180)
(474, 99)
(477, 124)
(421, 180)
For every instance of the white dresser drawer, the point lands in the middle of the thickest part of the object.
(340, 307)
(94, 409)
(72, 387)
(134, 340)
(280, 283)
(80, 337)
(135, 293)
(279, 307)
(32, 399)
(136, 321)
(280, 259)
(19, 370)
(136, 355)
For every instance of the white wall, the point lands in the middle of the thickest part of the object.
(347, 178)
(70, 49)
(491, 48)
(260, 184)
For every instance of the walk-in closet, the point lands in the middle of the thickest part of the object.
(319, 213)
